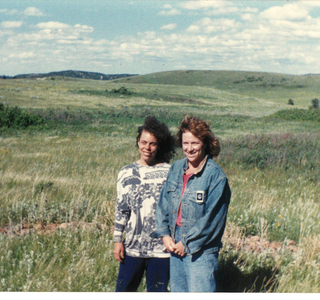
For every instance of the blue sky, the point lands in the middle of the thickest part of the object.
(141, 37)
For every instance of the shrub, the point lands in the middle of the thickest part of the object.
(300, 151)
(296, 115)
(290, 102)
(16, 117)
(66, 116)
(122, 91)
(314, 104)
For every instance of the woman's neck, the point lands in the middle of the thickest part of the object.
(151, 164)
(193, 167)
(190, 170)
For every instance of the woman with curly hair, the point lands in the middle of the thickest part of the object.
(192, 210)
(138, 188)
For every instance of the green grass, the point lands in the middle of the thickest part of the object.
(274, 87)
(72, 260)
(64, 170)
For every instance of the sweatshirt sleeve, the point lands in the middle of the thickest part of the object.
(162, 215)
(122, 210)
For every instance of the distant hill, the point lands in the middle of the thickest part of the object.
(73, 74)
(225, 79)
(299, 89)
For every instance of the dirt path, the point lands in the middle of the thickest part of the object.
(234, 239)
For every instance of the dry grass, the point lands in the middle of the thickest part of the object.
(63, 94)
(63, 175)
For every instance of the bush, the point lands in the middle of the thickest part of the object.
(314, 104)
(15, 117)
(122, 91)
(67, 116)
(290, 102)
(296, 115)
(286, 151)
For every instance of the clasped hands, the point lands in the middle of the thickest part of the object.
(171, 246)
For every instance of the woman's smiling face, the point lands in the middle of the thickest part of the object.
(148, 148)
(193, 148)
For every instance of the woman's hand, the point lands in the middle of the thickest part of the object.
(118, 251)
(168, 243)
(179, 249)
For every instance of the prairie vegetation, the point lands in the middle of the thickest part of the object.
(58, 175)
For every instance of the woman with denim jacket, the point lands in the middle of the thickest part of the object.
(192, 210)
(138, 188)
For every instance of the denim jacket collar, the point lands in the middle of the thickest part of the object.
(200, 167)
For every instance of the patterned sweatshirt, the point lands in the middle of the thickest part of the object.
(138, 190)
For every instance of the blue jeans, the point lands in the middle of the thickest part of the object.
(193, 273)
(132, 269)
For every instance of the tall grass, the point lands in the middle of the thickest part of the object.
(57, 179)
(72, 260)
(64, 172)
(278, 183)
(53, 179)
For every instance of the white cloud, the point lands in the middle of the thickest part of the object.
(210, 7)
(196, 5)
(310, 4)
(69, 41)
(170, 12)
(167, 6)
(285, 12)
(193, 29)
(247, 17)
(208, 25)
(8, 11)
(28, 12)
(169, 26)
(52, 25)
(250, 10)
(83, 28)
(56, 31)
(33, 12)
(11, 24)
(22, 55)
(310, 28)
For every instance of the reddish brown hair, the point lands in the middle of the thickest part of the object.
(202, 131)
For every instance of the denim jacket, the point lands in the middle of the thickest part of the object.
(204, 206)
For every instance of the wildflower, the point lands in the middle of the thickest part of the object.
(5, 151)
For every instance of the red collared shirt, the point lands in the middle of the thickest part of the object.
(185, 180)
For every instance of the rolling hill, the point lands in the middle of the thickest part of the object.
(73, 74)
(218, 79)
(261, 85)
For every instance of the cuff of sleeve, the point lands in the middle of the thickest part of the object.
(186, 249)
(117, 239)
(160, 233)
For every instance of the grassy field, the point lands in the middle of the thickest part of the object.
(58, 177)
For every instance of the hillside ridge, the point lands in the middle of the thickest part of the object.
(212, 78)
(72, 74)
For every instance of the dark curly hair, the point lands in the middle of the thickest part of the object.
(165, 140)
(202, 131)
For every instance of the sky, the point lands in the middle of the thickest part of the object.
(142, 37)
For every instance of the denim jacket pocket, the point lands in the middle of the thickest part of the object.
(198, 197)
(197, 200)
(171, 186)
